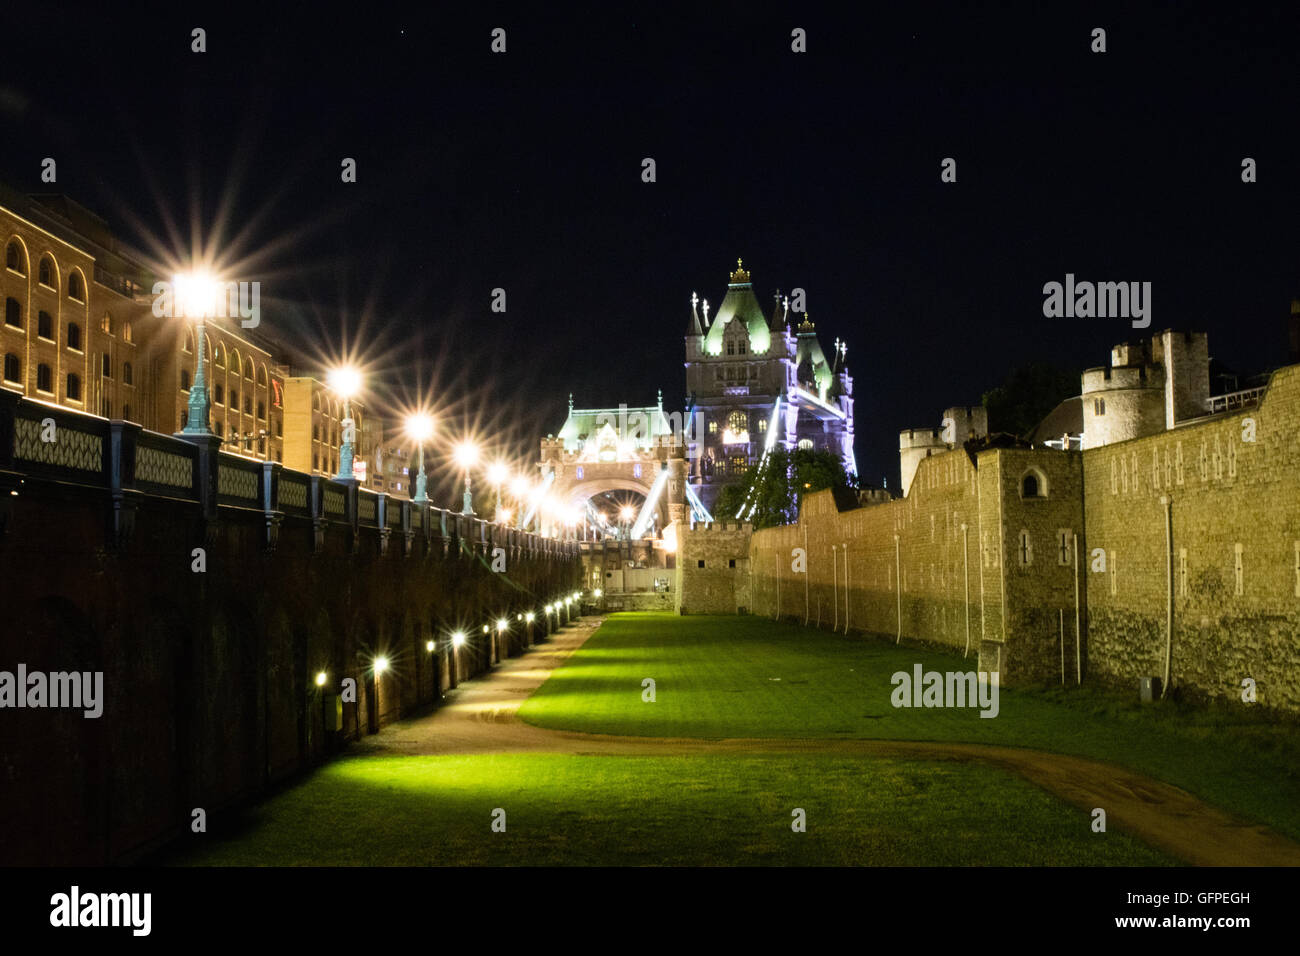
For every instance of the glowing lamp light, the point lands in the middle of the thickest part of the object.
(345, 380)
(519, 486)
(497, 472)
(457, 639)
(506, 514)
(419, 426)
(598, 592)
(197, 294)
(320, 679)
(529, 617)
(486, 629)
(626, 513)
(381, 664)
(502, 624)
(466, 453)
(429, 646)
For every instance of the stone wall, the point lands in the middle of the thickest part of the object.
(209, 676)
(1232, 502)
(713, 568)
(1065, 579)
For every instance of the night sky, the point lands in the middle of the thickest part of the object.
(523, 171)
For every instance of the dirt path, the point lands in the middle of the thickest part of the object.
(480, 718)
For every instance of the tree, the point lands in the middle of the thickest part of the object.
(1030, 392)
(774, 488)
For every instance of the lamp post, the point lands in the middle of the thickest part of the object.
(195, 293)
(346, 382)
(466, 455)
(420, 426)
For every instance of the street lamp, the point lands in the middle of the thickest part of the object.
(196, 293)
(420, 426)
(346, 382)
(466, 455)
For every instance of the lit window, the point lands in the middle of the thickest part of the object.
(805, 444)
(14, 257)
(45, 273)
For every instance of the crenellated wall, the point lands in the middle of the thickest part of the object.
(1059, 561)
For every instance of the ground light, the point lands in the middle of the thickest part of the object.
(458, 638)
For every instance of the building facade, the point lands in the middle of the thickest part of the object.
(79, 331)
(757, 380)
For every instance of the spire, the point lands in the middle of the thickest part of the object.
(661, 399)
(740, 275)
(570, 403)
(706, 313)
(694, 328)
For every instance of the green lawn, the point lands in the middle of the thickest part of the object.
(565, 810)
(752, 677)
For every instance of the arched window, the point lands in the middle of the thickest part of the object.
(75, 290)
(74, 336)
(189, 341)
(106, 323)
(13, 313)
(218, 355)
(1033, 484)
(731, 347)
(74, 387)
(805, 444)
(45, 325)
(248, 369)
(44, 379)
(126, 332)
(315, 435)
(14, 257)
(738, 423)
(45, 273)
(127, 376)
(13, 368)
(261, 375)
(185, 380)
(315, 403)
(740, 346)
